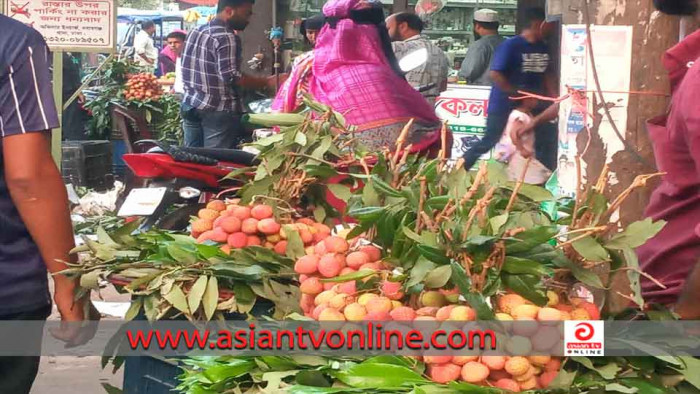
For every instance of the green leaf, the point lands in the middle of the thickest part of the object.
(527, 286)
(322, 148)
(274, 379)
(474, 299)
(342, 192)
(245, 297)
(369, 196)
(497, 222)
(437, 202)
(644, 385)
(312, 378)
(348, 277)
(433, 254)
(532, 192)
(295, 246)
(300, 138)
(134, 309)
(194, 298)
(633, 274)
(181, 255)
(586, 277)
(563, 380)
(320, 171)
(463, 387)
(690, 371)
(231, 369)
(590, 249)
(636, 234)
(419, 271)
(438, 277)
(367, 214)
(211, 297)
(383, 187)
(111, 389)
(617, 387)
(517, 265)
(607, 371)
(319, 214)
(377, 376)
(177, 299)
(529, 239)
(91, 279)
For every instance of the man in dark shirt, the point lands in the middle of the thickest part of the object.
(35, 226)
(475, 67)
(519, 63)
(212, 77)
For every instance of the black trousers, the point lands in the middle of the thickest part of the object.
(17, 374)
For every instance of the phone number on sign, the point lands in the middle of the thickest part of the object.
(76, 40)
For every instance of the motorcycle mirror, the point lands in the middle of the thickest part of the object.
(413, 60)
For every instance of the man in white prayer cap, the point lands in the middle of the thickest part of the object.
(476, 65)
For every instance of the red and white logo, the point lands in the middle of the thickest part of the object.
(584, 338)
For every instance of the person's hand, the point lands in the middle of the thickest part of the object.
(73, 329)
(81, 98)
(519, 130)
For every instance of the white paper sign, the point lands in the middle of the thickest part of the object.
(142, 202)
(80, 25)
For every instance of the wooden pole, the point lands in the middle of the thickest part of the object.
(58, 98)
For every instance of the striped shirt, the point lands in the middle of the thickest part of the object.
(433, 71)
(26, 106)
(211, 66)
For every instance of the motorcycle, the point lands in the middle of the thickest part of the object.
(184, 178)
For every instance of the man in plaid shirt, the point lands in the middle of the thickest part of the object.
(405, 31)
(211, 74)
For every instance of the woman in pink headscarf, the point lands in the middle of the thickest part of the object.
(355, 72)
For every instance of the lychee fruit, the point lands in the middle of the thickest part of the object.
(336, 245)
(444, 312)
(374, 253)
(202, 225)
(231, 224)
(379, 305)
(547, 377)
(242, 213)
(525, 311)
(392, 290)
(444, 373)
(402, 313)
(324, 297)
(517, 366)
(437, 359)
(507, 384)
(329, 265)
(357, 259)
(580, 314)
(311, 286)
(281, 247)
(216, 205)
(462, 313)
(552, 298)
(433, 298)
(427, 311)
(549, 314)
(474, 372)
(339, 301)
(253, 240)
(208, 214)
(331, 314)
(365, 298)
(348, 287)
(508, 302)
(268, 226)
(355, 312)
(249, 226)
(539, 360)
(219, 235)
(306, 264)
(261, 212)
(495, 363)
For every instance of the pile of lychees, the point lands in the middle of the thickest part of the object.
(237, 226)
(326, 297)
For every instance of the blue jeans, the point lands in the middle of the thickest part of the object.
(212, 129)
(495, 124)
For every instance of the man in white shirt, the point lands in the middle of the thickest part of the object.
(146, 53)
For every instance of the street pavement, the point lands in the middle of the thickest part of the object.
(81, 375)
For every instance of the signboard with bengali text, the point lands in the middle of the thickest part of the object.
(69, 25)
(464, 109)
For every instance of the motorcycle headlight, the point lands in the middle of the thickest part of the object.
(188, 192)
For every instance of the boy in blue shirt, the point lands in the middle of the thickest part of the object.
(519, 63)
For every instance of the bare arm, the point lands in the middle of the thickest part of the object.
(38, 192)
